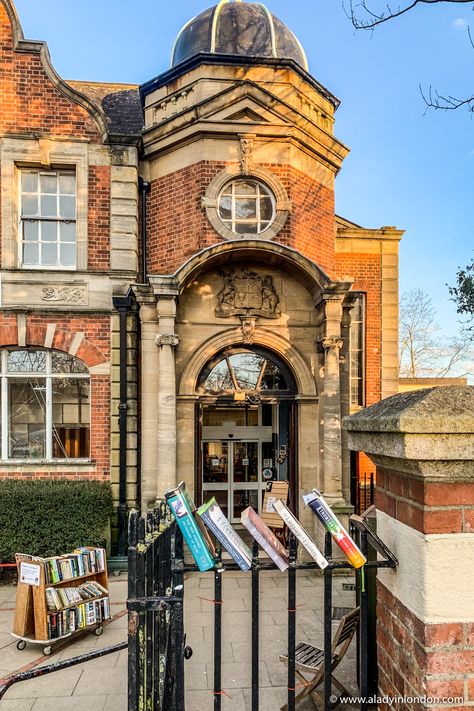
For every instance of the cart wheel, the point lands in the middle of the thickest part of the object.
(21, 644)
(47, 650)
(98, 631)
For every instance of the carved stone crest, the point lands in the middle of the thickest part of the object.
(63, 294)
(247, 293)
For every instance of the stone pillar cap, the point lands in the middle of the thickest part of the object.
(446, 410)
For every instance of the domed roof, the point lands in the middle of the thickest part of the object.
(244, 29)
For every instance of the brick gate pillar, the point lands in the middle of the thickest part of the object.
(423, 445)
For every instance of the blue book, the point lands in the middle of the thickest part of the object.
(212, 515)
(179, 505)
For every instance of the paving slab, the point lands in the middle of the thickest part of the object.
(101, 685)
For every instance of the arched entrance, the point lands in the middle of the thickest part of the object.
(246, 418)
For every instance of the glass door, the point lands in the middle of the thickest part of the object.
(245, 481)
(215, 472)
(232, 472)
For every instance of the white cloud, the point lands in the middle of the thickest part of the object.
(460, 23)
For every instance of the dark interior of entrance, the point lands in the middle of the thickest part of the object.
(246, 430)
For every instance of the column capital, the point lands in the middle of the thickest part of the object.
(167, 339)
(329, 342)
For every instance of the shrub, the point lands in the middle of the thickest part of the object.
(50, 517)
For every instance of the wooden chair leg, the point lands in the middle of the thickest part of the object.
(340, 687)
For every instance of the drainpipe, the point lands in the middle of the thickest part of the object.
(144, 188)
(123, 305)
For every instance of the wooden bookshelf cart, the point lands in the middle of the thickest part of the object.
(31, 612)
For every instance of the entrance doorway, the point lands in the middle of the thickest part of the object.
(246, 430)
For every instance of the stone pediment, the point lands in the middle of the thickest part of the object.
(193, 111)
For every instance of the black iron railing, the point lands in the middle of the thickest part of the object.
(364, 485)
(155, 604)
(259, 565)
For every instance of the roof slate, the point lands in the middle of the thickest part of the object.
(119, 102)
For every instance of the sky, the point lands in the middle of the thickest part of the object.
(408, 167)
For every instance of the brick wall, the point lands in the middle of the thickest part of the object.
(417, 659)
(178, 226)
(366, 270)
(93, 348)
(29, 101)
(99, 218)
(428, 507)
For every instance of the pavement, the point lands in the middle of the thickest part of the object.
(101, 684)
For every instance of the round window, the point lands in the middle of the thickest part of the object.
(246, 206)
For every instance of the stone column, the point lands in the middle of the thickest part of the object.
(149, 402)
(423, 445)
(166, 341)
(331, 345)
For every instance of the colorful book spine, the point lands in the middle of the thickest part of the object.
(265, 538)
(179, 506)
(332, 524)
(297, 529)
(212, 515)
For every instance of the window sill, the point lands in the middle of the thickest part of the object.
(43, 465)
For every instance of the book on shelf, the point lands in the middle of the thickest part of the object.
(180, 502)
(297, 529)
(265, 538)
(81, 562)
(213, 517)
(83, 615)
(57, 598)
(331, 523)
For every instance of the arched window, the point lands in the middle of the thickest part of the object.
(246, 371)
(45, 410)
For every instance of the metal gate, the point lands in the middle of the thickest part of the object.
(157, 649)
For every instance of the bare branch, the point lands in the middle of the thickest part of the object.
(434, 100)
(389, 13)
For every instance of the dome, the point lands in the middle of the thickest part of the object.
(242, 29)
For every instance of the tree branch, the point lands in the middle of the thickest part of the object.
(389, 13)
(435, 100)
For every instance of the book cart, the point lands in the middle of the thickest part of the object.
(39, 579)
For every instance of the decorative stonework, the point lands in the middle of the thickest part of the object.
(167, 339)
(64, 294)
(246, 153)
(247, 293)
(248, 330)
(331, 342)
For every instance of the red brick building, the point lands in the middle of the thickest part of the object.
(179, 299)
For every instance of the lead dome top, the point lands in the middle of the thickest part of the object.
(238, 29)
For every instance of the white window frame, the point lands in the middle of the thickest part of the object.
(42, 153)
(40, 219)
(48, 376)
(261, 191)
(362, 354)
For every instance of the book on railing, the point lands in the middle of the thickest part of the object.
(265, 538)
(213, 517)
(193, 508)
(178, 501)
(331, 523)
(297, 529)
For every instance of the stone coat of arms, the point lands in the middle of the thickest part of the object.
(247, 293)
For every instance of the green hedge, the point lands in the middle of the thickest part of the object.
(49, 517)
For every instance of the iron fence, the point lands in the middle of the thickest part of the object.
(155, 603)
(364, 491)
(157, 636)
